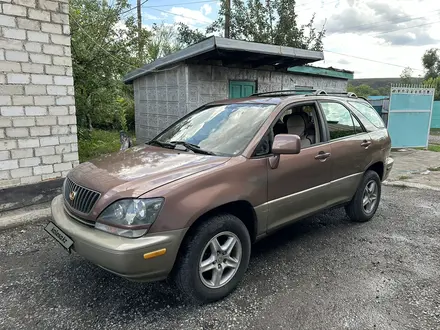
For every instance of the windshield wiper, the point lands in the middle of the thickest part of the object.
(193, 147)
(162, 144)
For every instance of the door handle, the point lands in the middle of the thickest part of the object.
(322, 155)
(366, 144)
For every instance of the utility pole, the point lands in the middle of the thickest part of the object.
(139, 21)
(227, 18)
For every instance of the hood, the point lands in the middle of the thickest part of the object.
(140, 169)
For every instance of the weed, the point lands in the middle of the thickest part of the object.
(94, 143)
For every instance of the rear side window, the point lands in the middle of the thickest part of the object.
(339, 120)
(368, 112)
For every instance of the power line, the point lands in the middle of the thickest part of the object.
(406, 28)
(370, 60)
(329, 51)
(195, 19)
(212, 1)
(168, 12)
(181, 3)
(202, 21)
(131, 8)
(98, 45)
(115, 57)
(375, 24)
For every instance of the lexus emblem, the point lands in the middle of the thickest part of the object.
(72, 195)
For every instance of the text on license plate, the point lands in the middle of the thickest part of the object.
(58, 234)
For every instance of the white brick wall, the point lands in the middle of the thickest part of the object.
(37, 107)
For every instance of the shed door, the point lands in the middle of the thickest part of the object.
(239, 89)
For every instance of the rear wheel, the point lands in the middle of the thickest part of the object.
(365, 202)
(213, 259)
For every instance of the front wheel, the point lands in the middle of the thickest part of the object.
(213, 259)
(366, 200)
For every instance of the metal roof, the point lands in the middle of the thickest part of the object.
(319, 71)
(232, 51)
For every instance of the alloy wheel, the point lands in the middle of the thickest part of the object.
(369, 199)
(220, 260)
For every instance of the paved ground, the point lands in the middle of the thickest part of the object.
(321, 273)
(434, 138)
(419, 167)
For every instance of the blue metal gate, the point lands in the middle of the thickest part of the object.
(409, 116)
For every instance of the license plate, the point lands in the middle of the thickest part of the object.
(58, 234)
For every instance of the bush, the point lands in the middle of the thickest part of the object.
(92, 144)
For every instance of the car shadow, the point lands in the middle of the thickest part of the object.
(107, 295)
(328, 220)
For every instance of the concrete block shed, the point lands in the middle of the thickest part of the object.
(218, 68)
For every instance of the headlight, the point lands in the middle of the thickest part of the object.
(129, 217)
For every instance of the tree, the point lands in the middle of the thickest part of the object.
(163, 42)
(365, 90)
(431, 63)
(271, 22)
(100, 56)
(435, 83)
(187, 36)
(406, 76)
(105, 46)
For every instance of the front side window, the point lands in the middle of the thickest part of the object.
(300, 120)
(368, 112)
(222, 129)
(340, 120)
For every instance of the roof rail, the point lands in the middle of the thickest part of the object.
(286, 92)
(304, 91)
(348, 94)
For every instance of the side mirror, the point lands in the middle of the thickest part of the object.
(286, 144)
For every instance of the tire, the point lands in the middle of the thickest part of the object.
(200, 287)
(355, 209)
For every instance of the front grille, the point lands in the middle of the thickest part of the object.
(79, 198)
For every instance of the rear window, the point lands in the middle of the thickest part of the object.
(368, 112)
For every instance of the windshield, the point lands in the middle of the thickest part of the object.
(223, 129)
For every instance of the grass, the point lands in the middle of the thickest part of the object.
(431, 147)
(404, 177)
(94, 143)
(434, 147)
(434, 169)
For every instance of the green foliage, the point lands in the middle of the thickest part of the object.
(164, 41)
(271, 22)
(98, 47)
(187, 36)
(366, 90)
(97, 142)
(104, 48)
(431, 63)
(435, 83)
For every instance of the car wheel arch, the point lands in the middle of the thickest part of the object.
(377, 167)
(242, 209)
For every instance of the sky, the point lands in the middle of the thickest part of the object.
(396, 32)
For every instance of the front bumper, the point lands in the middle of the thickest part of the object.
(119, 255)
(388, 167)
